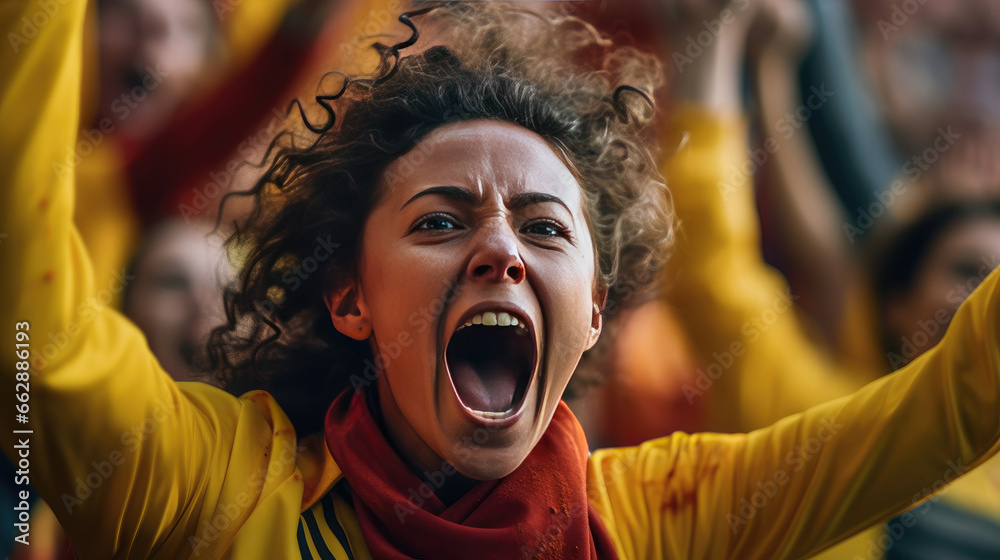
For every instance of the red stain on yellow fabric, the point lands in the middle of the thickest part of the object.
(678, 500)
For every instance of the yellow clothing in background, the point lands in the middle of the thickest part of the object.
(758, 365)
(721, 279)
(136, 465)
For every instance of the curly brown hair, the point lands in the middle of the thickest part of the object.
(554, 76)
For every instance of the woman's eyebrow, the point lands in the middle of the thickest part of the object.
(466, 196)
(521, 200)
(457, 194)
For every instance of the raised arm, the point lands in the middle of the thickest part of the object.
(757, 362)
(798, 196)
(813, 479)
(131, 463)
(739, 313)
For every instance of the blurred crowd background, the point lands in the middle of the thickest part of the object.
(860, 207)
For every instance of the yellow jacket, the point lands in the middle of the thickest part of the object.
(136, 465)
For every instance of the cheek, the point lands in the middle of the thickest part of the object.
(400, 281)
(566, 296)
(406, 290)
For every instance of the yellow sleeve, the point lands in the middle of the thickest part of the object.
(105, 219)
(814, 478)
(133, 464)
(757, 364)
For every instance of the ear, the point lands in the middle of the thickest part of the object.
(349, 312)
(597, 320)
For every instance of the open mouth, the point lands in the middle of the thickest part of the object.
(491, 358)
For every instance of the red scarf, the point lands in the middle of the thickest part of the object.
(538, 511)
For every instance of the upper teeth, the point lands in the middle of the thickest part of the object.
(495, 319)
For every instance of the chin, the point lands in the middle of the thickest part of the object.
(492, 464)
(488, 449)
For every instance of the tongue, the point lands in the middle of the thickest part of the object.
(490, 388)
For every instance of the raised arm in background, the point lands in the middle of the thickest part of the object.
(758, 363)
(133, 464)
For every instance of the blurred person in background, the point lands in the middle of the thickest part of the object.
(151, 59)
(167, 75)
(921, 275)
(154, 56)
(808, 218)
(936, 65)
(927, 269)
(781, 365)
(174, 293)
(913, 118)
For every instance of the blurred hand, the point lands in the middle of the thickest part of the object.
(685, 16)
(782, 28)
(698, 10)
(707, 49)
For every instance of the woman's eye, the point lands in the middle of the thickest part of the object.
(436, 223)
(545, 228)
(965, 270)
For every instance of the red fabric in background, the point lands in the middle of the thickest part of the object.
(171, 168)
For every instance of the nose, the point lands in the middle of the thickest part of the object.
(496, 257)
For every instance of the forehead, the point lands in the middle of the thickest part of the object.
(180, 245)
(980, 234)
(490, 157)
